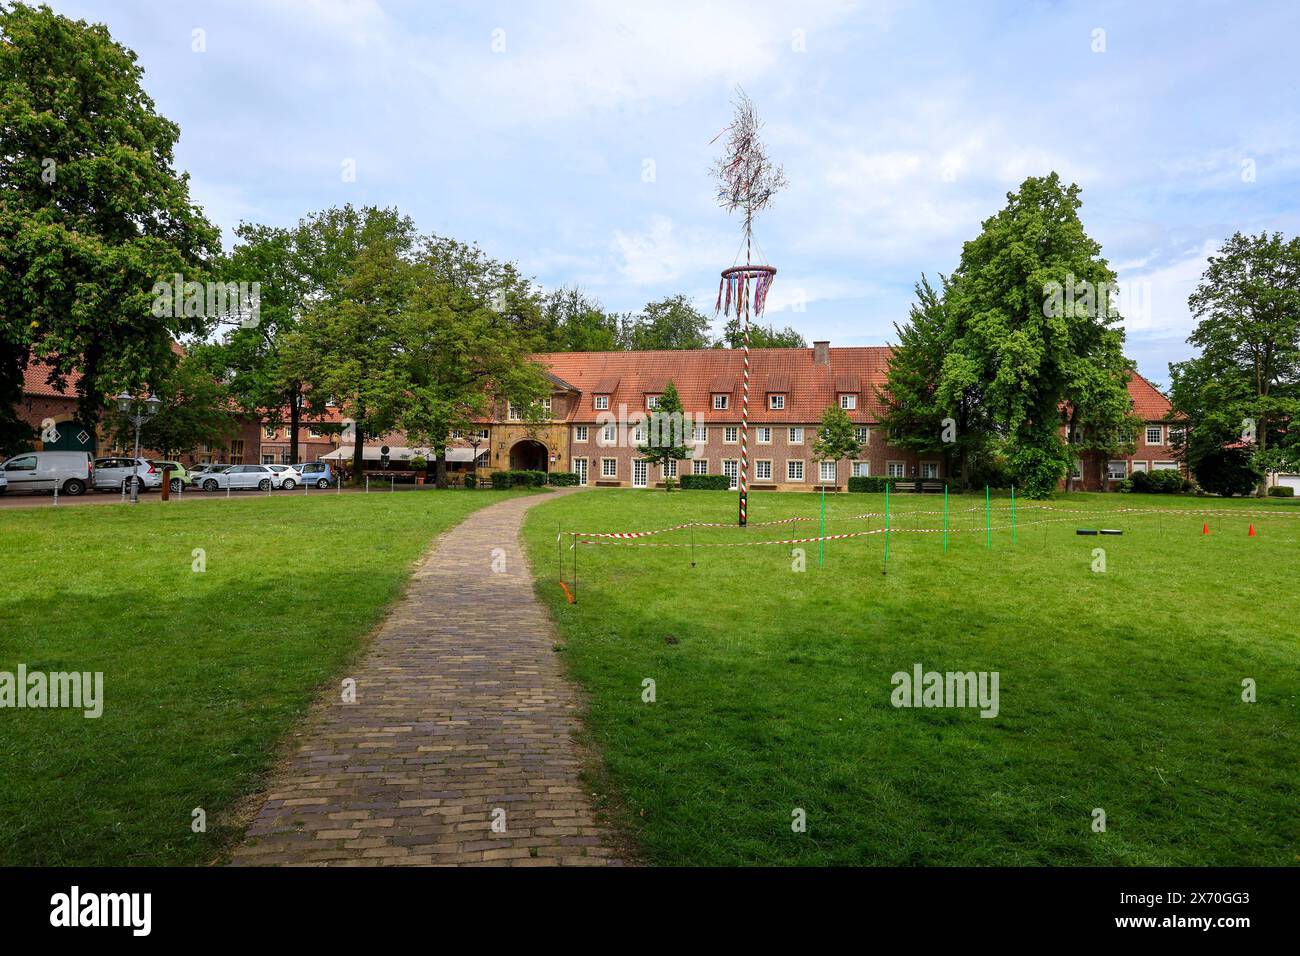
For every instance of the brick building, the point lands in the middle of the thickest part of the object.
(591, 428)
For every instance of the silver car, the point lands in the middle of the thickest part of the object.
(238, 477)
(116, 474)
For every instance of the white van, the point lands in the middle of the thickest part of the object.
(69, 471)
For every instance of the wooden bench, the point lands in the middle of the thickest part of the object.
(608, 483)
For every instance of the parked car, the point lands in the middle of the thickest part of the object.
(285, 477)
(317, 473)
(69, 471)
(4, 483)
(237, 477)
(179, 474)
(116, 474)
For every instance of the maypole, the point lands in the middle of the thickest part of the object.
(747, 181)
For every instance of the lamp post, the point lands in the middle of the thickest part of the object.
(474, 442)
(137, 411)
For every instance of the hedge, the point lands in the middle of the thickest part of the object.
(871, 483)
(562, 478)
(1281, 491)
(705, 483)
(1169, 482)
(518, 479)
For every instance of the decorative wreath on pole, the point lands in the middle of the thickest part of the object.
(747, 181)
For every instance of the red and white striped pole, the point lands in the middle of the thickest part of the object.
(744, 410)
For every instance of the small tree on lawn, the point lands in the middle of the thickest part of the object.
(665, 433)
(836, 438)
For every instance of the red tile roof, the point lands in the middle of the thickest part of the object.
(36, 382)
(809, 388)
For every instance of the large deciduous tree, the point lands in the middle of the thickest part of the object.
(92, 214)
(671, 323)
(1032, 301)
(1244, 387)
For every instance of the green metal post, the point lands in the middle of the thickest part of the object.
(945, 519)
(886, 521)
(988, 520)
(821, 551)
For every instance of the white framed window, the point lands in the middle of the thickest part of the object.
(316, 432)
(670, 468)
(720, 402)
(546, 405)
(1076, 470)
(580, 433)
(512, 412)
(796, 436)
(580, 469)
(929, 469)
(827, 472)
(700, 466)
(1139, 466)
(638, 434)
(776, 401)
(640, 473)
(1164, 466)
(848, 402)
(652, 401)
(482, 433)
(764, 435)
(609, 434)
(1155, 435)
(609, 468)
(762, 470)
(731, 468)
(862, 433)
(860, 469)
(700, 434)
(896, 469)
(1116, 470)
(794, 469)
(1175, 435)
(600, 402)
(729, 434)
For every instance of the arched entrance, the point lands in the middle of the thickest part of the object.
(529, 455)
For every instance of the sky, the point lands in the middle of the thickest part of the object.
(574, 138)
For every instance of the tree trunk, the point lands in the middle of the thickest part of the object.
(295, 414)
(358, 453)
(440, 468)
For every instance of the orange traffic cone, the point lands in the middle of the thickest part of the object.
(1251, 533)
(1205, 528)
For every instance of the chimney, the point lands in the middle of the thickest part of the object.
(821, 353)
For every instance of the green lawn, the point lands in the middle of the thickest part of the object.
(204, 673)
(1119, 690)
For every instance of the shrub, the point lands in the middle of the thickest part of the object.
(502, 480)
(1128, 484)
(419, 463)
(562, 478)
(522, 478)
(1166, 482)
(1228, 472)
(471, 481)
(1138, 481)
(871, 483)
(1281, 491)
(670, 484)
(706, 483)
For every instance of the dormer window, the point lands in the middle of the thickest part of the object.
(720, 402)
(776, 402)
(600, 402)
(848, 402)
(652, 401)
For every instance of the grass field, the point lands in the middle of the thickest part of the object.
(204, 673)
(1120, 690)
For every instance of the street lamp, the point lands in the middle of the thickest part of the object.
(474, 442)
(144, 409)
